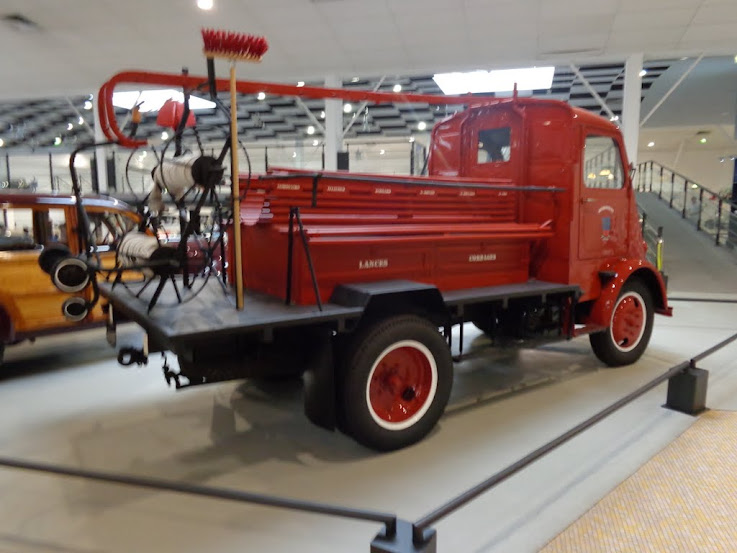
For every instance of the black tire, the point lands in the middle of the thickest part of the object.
(630, 326)
(396, 380)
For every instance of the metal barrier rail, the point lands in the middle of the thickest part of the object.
(423, 536)
(398, 535)
(389, 520)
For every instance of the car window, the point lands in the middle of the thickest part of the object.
(107, 227)
(16, 231)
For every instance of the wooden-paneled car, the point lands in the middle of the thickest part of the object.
(30, 305)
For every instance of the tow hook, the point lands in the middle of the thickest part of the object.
(127, 356)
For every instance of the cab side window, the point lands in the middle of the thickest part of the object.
(602, 165)
(494, 145)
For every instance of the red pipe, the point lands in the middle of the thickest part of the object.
(112, 131)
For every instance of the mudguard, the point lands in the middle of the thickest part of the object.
(614, 275)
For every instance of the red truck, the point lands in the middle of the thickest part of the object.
(525, 225)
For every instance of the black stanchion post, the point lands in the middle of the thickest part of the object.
(687, 391)
(404, 541)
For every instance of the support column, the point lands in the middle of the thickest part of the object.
(333, 125)
(100, 153)
(631, 105)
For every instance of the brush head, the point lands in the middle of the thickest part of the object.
(233, 46)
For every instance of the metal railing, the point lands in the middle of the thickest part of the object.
(711, 212)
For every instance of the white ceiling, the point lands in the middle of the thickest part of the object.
(80, 43)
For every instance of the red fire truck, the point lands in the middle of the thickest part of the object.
(525, 225)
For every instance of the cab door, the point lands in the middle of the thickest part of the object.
(603, 199)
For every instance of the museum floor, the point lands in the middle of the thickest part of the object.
(65, 400)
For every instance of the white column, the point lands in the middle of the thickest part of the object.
(100, 152)
(631, 105)
(333, 126)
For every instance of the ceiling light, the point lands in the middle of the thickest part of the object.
(205, 4)
(694, 186)
(294, 154)
(702, 140)
(70, 126)
(300, 83)
(650, 144)
(152, 100)
(614, 118)
(643, 72)
(354, 79)
(310, 130)
(164, 135)
(735, 59)
(322, 114)
(411, 138)
(382, 152)
(535, 78)
(87, 105)
(261, 96)
(315, 142)
(57, 140)
(2, 143)
(80, 121)
(421, 126)
(347, 108)
(397, 88)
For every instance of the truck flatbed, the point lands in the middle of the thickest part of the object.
(211, 313)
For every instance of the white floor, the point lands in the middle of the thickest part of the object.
(65, 400)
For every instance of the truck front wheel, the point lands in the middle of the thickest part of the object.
(397, 377)
(629, 329)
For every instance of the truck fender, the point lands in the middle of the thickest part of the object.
(397, 297)
(614, 275)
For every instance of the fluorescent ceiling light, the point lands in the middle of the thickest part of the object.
(501, 80)
(152, 100)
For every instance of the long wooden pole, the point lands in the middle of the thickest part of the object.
(235, 191)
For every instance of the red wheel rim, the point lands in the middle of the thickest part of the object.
(628, 321)
(401, 385)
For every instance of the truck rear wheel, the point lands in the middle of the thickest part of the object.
(397, 377)
(629, 329)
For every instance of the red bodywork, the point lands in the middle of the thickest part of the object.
(469, 223)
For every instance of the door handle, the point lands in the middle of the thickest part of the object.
(587, 200)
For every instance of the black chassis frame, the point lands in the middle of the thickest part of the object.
(214, 342)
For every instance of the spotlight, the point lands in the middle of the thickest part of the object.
(347, 108)
(650, 144)
(310, 130)
(87, 105)
(164, 135)
(261, 96)
(205, 5)
(421, 126)
(397, 88)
